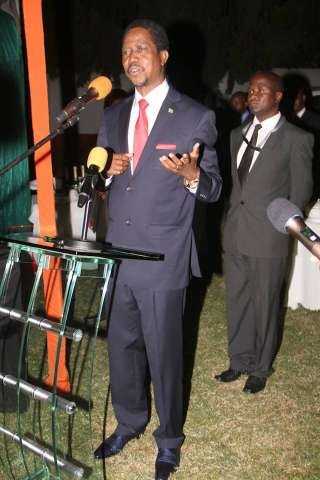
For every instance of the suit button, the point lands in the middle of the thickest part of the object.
(128, 188)
(242, 202)
(128, 222)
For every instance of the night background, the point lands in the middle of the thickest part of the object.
(208, 38)
(210, 41)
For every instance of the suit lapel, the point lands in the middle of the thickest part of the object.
(270, 144)
(124, 117)
(266, 149)
(164, 120)
(236, 144)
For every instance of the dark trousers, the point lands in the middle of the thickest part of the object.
(253, 287)
(145, 334)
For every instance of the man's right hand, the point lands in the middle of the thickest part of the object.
(119, 163)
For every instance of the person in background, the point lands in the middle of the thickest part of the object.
(239, 103)
(271, 158)
(164, 159)
(298, 109)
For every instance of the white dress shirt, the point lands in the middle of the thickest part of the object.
(245, 115)
(155, 100)
(263, 134)
(301, 112)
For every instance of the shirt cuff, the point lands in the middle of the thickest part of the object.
(192, 189)
(192, 186)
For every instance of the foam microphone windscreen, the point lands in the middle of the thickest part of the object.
(98, 157)
(102, 85)
(280, 211)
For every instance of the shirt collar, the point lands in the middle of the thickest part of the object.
(268, 123)
(244, 115)
(301, 112)
(156, 96)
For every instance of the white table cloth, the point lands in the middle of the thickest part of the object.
(69, 217)
(304, 283)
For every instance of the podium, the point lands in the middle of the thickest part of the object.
(33, 432)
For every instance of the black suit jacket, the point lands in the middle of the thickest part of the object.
(282, 169)
(310, 121)
(151, 209)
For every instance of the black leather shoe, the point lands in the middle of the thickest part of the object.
(254, 384)
(229, 375)
(168, 459)
(114, 444)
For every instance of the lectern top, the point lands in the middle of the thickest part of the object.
(86, 251)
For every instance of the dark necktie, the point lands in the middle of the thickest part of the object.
(247, 157)
(140, 132)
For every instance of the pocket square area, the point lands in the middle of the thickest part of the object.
(166, 146)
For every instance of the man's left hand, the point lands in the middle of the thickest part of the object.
(186, 166)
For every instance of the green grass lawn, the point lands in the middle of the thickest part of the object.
(274, 435)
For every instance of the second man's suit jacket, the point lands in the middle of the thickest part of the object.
(151, 209)
(282, 169)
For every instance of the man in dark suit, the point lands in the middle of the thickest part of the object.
(270, 158)
(310, 121)
(297, 106)
(164, 159)
(307, 117)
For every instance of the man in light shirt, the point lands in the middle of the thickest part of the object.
(271, 158)
(164, 159)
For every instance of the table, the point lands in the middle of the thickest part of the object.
(69, 216)
(304, 282)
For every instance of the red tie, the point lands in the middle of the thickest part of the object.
(140, 132)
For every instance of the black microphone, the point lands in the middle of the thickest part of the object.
(287, 218)
(96, 163)
(98, 89)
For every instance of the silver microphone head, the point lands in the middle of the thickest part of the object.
(280, 211)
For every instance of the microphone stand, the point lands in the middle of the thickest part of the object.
(83, 244)
(69, 123)
(88, 205)
(86, 217)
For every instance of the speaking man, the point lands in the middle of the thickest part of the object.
(164, 160)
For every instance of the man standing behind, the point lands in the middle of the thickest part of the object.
(239, 103)
(151, 204)
(270, 158)
(310, 121)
